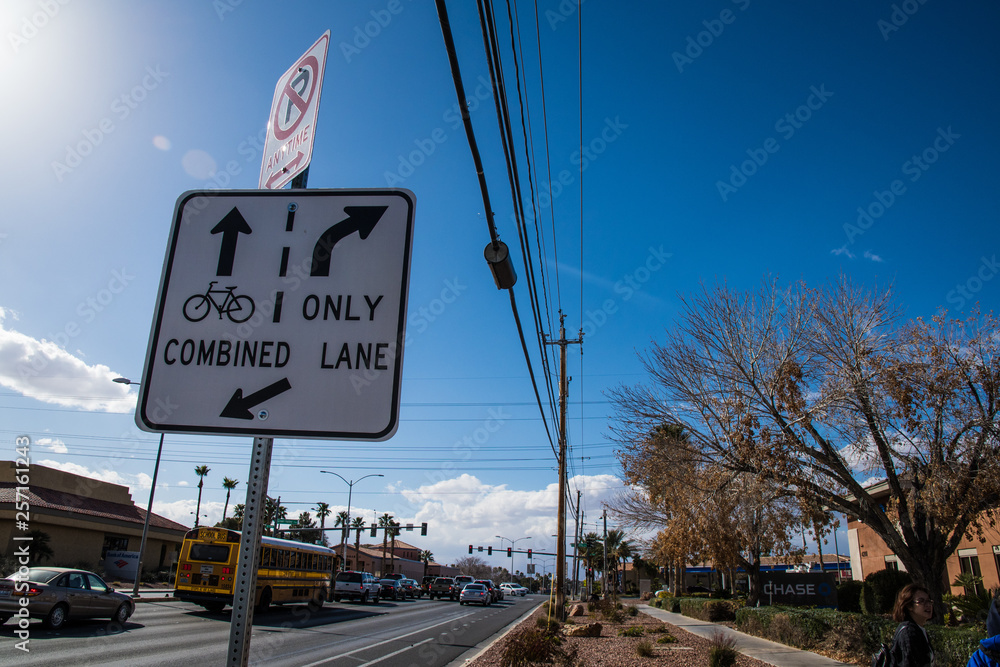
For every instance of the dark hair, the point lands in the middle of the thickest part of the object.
(901, 610)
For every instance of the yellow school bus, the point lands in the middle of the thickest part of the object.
(288, 571)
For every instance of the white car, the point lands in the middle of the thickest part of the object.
(513, 589)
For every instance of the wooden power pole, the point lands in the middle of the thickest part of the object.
(561, 531)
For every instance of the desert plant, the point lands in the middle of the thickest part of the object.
(667, 639)
(632, 611)
(631, 631)
(548, 625)
(723, 651)
(644, 649)
(531, 646)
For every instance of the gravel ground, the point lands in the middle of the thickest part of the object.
(610, 650)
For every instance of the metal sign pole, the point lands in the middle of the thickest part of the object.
(244, 590)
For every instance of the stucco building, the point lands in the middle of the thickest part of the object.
(870, 554)
(84, 519)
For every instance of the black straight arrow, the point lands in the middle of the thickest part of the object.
(361, 219)
(230, 227)
(239, 405)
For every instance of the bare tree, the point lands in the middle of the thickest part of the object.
(815, 389)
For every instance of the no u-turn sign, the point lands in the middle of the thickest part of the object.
(291, 127)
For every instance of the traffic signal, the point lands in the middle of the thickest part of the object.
(489, 551)
(509, 553)
(470, 548)
(529, 554)
(423, 529)
(374, 530)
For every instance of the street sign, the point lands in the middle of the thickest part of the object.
(291, 127)
(281, 313)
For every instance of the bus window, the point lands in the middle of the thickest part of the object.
(212, 553)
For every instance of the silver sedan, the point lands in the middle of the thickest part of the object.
(56, 594)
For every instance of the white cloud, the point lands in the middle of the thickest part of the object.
(43, 370)
(872, 256)
(842, 250)
(465, 510)
(54, 445)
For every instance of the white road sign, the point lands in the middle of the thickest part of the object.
(281, 314)
(291, 127)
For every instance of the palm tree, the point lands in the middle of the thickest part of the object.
(385, 522)
(357, 523)
(427, 557)
(201, 471)
(228, 484)
(341, 522)
(322, 511)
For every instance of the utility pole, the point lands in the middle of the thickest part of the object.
(604, 584)
(561, 532)
(576, 550)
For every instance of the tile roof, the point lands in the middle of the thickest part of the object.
(42, 498)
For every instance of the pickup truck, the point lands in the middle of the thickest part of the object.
(443, 587)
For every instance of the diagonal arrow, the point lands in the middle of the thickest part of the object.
(361, 219)
(230, 227)
(276, 176)
(239, 405)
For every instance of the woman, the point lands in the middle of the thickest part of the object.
(911, 647)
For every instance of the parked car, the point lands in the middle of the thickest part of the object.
(475, 592)
(495, 593)
(391, 588)
(58, 594)
(412, 588)
(444, 587)
(361, 586)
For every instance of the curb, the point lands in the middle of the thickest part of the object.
(481, 647)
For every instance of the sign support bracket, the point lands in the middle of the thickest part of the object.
(244, 590)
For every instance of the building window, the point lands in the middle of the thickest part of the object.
(114, 543)
(968, 561)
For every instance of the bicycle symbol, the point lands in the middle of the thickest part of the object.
(238, 307)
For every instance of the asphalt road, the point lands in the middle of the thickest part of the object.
(414, 633)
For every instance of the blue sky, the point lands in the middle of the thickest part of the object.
(723, 141)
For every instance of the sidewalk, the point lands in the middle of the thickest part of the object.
(755, 647)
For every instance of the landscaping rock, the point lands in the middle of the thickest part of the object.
(588, 630)
(578, 610)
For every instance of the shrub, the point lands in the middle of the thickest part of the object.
(632, 610)
(645, 597)
(849, 596)
(723, 651)
(644, 650)
(973, 607)
(631, 631)
(659, 629)
(707, 610)
(531, 646)
(667, 639)
(547, 625)
(880, 588)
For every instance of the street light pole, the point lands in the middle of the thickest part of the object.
(149, 506)
(512, 543)
(347, 521)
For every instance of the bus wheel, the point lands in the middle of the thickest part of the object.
(317, 602)
(265, 601)
(214, 607)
